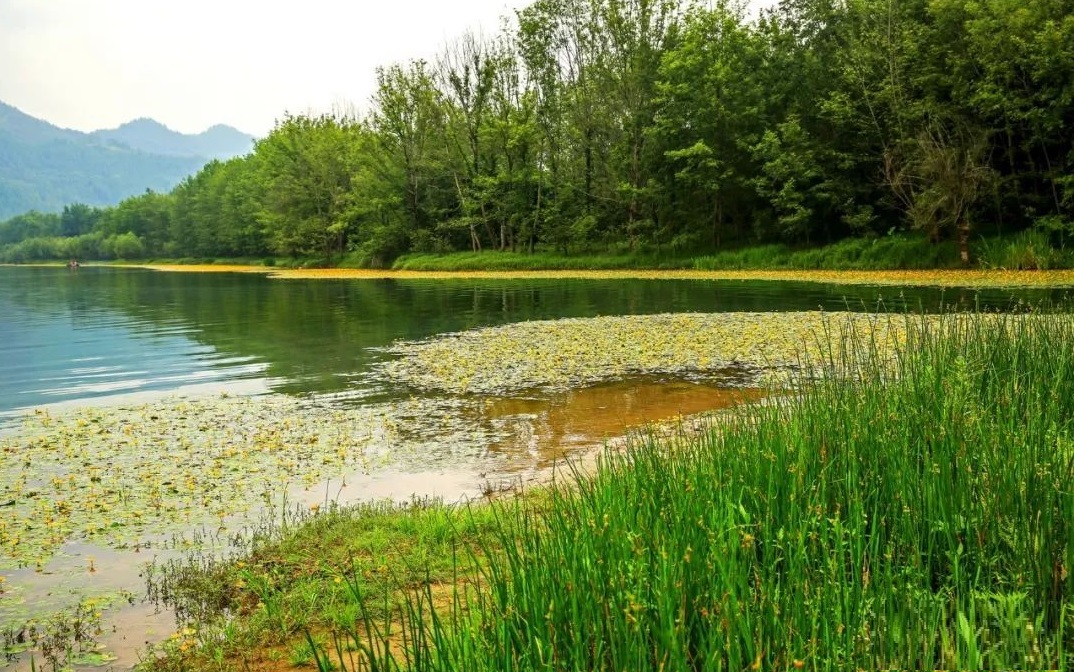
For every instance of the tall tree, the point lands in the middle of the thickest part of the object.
(409, 119)
(306, 165)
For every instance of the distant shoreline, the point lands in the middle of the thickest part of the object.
(935, 278)
(974, 278)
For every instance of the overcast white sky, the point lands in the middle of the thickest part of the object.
(89, 64)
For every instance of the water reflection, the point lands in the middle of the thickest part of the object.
(65, 339)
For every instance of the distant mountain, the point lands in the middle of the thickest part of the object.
(147, 135)
(43, 167)
(29, 130)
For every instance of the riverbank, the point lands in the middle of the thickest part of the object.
(999, 261)
(937, 278)
(920, 520)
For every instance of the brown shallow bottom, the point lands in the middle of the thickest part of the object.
(550, 430)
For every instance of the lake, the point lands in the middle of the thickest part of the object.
(117, 337)
(100, 332)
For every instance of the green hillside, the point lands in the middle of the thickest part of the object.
(43, 167)
(147, 135)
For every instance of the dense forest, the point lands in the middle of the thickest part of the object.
(646, 124)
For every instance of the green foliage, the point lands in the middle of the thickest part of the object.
(319, 569)
(883, 253)
(1029, 250)
(514, 261)
(30, 225)
(307, 165)
(125, 246)
(917, 522)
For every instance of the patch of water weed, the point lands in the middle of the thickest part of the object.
(124, 476)
(567, 353)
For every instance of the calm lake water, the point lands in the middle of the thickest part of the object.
(101, 336)
(87, 336)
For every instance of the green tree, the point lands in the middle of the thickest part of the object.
(305, 165)
(409, 120)
(78, 219)
(709, 110)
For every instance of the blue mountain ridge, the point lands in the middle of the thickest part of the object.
(44, 167)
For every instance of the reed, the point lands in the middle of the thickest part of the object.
(911, 513)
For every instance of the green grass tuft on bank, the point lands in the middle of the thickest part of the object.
(896, 252)
(317, 570)
(886, 253)
(493, 260)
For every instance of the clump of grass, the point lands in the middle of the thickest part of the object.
(1027, 251)
(539, 261)
(316, 570)
(896, 252)
(915, 518)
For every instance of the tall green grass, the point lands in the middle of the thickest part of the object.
(915, 515)
(491, 260)
(1026, 251)
(886, 253)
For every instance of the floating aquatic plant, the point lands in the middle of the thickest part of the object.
(561, 354)
(124, 476)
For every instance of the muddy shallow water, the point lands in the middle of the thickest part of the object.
(285, 399)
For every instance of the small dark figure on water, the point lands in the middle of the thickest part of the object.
(73, 264)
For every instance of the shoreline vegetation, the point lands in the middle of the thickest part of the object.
(976, 278)
(888, 254)
(907, 505)
(913, 513)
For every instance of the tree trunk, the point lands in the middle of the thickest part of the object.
(717, 222)
(475, 241)
(488, 227)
